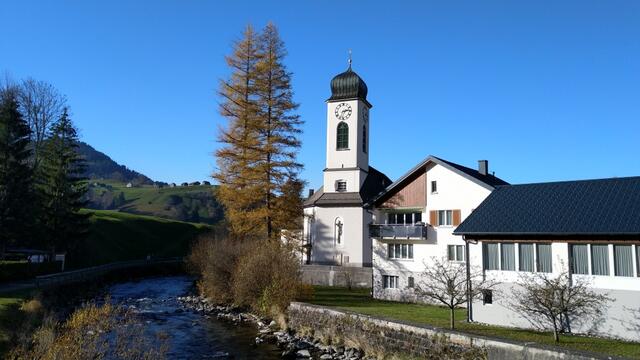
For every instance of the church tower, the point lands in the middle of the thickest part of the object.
(347, 134)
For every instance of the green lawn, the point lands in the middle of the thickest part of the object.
(360, 301)
(118, 236)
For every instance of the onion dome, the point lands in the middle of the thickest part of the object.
(348, 86)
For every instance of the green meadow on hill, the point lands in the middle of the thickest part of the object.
(195, 204)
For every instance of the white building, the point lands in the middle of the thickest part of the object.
(414, 219)
(589, 228)
(336, 218)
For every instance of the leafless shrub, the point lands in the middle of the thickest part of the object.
(215, 261)
(445, 282)
(549, 302)
(267, 278)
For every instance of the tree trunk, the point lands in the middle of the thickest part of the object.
(452, 318)
(556, 336)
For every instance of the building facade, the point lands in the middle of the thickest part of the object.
(414, 219)
(587, 229)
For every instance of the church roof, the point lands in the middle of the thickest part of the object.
(348, 86)
(374, 184)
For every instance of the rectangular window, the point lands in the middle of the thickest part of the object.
(341, 186)
(455, 252)
(491, 256)
(417, 217)
(411, 282)
(390, 282)
(487, 297)
(579, 258)
(508, 257)
(400, 251)
(445, 217)
(525, 252)
(600, 259)
(544, 258)
(434, 187)
(460, 252)
(623, 260)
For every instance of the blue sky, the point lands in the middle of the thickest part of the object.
(546, 90)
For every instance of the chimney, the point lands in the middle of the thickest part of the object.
(310, 192)
(483, 167)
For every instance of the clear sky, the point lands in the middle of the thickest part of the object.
(546, 90)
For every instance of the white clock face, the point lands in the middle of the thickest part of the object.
(343, 111)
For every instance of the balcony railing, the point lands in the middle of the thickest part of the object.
(383, 231)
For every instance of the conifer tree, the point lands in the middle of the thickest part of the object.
(237, 158)
(61, 188)
(16, 195)
(279, 128)
(257, 164)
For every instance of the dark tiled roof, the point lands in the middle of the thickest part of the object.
(487, 179)
(586, 207)
(374, 183)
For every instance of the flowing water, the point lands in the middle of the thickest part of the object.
(190, 335)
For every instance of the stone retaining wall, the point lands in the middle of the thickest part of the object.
(327, 275)
(377, 335)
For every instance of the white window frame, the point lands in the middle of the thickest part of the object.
(445, 213)
(390, 282)
(394, 257)
(456, 253)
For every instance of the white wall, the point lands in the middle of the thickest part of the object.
(622, 315)
(454, 192)
(355, 244)
(354, 156)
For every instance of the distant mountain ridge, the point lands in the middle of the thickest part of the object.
(101, 166)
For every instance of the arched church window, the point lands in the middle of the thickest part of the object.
(364, 139)
(342, 136)
(338, 231)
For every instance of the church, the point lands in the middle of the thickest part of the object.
(336, 216)
(359, 215)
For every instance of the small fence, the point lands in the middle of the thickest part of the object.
(100, 270)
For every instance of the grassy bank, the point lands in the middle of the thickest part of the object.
(10, 316)
(116, 236)
(360, 301)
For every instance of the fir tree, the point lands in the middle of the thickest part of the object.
(62, 187)
(279, 128)
(237, 158)
(16, 200)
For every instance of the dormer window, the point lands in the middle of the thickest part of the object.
(341, 186)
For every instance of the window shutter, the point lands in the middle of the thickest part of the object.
(456, 217)
(433, 217)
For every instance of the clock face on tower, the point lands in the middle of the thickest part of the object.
(343, 111)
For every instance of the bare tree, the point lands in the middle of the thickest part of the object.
(445, 282)
(552, 302)
(41, 104)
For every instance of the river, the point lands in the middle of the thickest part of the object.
(190, 335)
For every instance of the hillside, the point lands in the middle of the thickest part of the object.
(116, 236)
(185, 203)
(101, 166)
